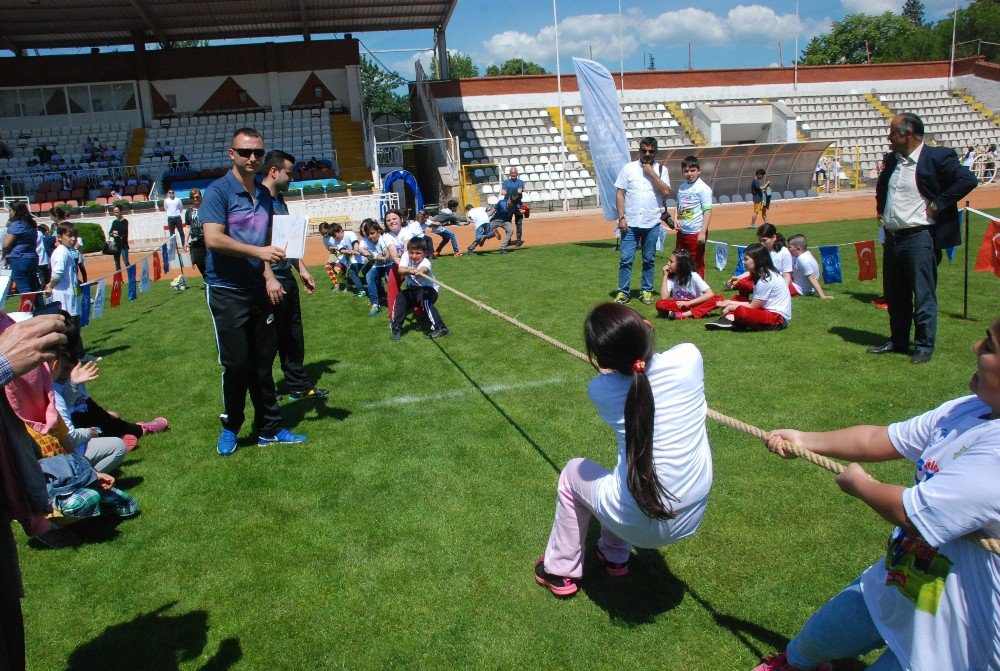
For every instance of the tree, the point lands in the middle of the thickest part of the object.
(515, 66)
(859, 38)
(652, 63)
(914, 11)
(379, 90)
(460, 66)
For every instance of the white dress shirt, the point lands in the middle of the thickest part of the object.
(904, 206)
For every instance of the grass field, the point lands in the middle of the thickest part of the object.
(402, 535)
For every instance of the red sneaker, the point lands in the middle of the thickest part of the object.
(780, 663)
(131, 442)
(560, 586)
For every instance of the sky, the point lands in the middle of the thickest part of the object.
(722, 33)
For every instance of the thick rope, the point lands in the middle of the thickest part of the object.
(978, 537)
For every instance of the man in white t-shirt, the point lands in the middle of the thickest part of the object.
(694, 213)
(174, 208)
(642, 186)
(805, 269)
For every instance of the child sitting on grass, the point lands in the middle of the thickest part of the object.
(771, 305)
(805, 270)
(781, 260)
(685, 293)
(418, 291)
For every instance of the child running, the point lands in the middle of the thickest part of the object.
(658, 491)
(805, 270)
(418, 291)
(685, 293)
(771, 305)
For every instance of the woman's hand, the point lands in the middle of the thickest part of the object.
(775, 441)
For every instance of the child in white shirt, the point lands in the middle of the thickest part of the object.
(417, 292)
(694, 212)
(64, 284)
(684, 293)
(770, 306)
(805, 270)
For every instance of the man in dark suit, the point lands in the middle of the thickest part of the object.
(916, 199)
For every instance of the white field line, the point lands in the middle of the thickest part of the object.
(455, 393)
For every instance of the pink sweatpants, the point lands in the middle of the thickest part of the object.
(574, 507)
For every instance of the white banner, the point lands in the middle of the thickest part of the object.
(605, 129)
(144, 279)
(97, 308)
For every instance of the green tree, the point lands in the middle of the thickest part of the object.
(515, 66)
(979, 21)
(859, 36)
(460, 66)
(914, 11)
(380, 91)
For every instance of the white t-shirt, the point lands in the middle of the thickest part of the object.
(478, 216)
(173, 206)
(390, 240)
(373, 249)
(937, 603)
(804, 266)
(43, 256)
(67, 289)
(346, 244)
(694, 288)
(413, 229)
(642, 200)
(775, 294)
(329, 243)
(782, 260)
(681, 455)
(692, 201)
(424, 266)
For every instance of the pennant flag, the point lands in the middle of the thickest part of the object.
(157, 267)
(989, 252)
(740, 268)
(98, 302)
(721, 255)
(27, 302)
(84, 305)
(608, 147)
(116, 289)
(166, 258)
(867, 269)
(172, 248)
(144, 280)
(831, 264)
(132, 293)
(951, 253)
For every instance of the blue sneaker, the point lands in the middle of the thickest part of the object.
(373, 311)
(284, 436)
(227, 442)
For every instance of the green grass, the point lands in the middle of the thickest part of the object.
(402, 534)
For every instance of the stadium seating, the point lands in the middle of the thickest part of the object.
(951, 120)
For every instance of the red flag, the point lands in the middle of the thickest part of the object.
(867, 270)
(116, 290)
(157, 267)
(989, 251)
(28, 302)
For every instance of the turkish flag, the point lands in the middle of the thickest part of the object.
(116, 290)
(867, 270)
(989, 251)
(157, 267)
(28, 302)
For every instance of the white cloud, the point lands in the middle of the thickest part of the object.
(407, 66)
(578, 36)
(871, 6)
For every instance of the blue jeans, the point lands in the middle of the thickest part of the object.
(122, 255)
(352, 275)
(842, 628)
(631, 240)
(446, 237)
(481, 232)
(374, 278)
(24, 273)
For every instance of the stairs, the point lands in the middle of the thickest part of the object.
(879, 105)
(134, 152)
(684, 119)
(572, 141)
(978, 106)
(349, 143)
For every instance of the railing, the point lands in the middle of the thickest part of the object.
(435, 120)
(389, 156)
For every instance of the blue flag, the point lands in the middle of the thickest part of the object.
(721, 255)
(740, 268)
(132, 283)
(144, 281)
(831, 264)
(166, 259)
(951, 253)
(84, 305)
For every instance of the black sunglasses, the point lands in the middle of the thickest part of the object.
(647, 151)
(246, 152)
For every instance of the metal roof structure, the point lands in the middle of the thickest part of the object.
(46, 24)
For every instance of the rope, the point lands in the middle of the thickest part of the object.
(977, 537)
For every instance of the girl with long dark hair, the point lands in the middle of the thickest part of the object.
(658, 491)
(770, 305)
(684, 293)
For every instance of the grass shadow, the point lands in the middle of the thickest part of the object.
(129, 482)
(154, 641)
(500, 410)
(649, 590)
(857, 336)
(596, 244)
(315, 370)
(85, 532)
(108, 351)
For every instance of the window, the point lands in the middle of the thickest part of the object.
(243, 97)
(10, 106)
(318, 92)
(55, 100)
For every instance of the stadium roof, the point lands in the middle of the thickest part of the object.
(45, 24)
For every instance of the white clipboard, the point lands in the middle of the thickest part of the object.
(288, 231)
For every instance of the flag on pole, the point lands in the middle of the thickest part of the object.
(831, 264)
(950, 251)
(166, 258)
(27, 302)
(116, 289)
(740, 268)
(98, 308)
(721, 255)
(132, 293)
(605, 129)
(84, 305)
(867, 269)
(144, 280)
(157, 267)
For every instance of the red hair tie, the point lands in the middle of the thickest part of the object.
(639, 366)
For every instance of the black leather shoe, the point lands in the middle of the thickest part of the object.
(920, 357)
(882, 349)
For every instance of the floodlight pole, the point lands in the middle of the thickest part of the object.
(562, 139)
(795, 56)
(954, 30)
(621, 50)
